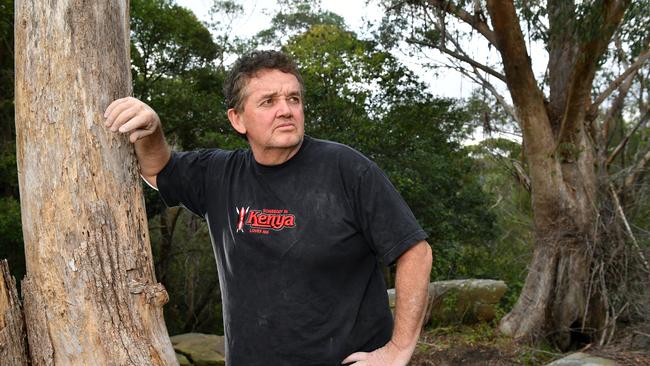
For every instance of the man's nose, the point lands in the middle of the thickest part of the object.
(284, 109)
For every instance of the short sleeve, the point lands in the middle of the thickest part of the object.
(385, 219)
(182, 181)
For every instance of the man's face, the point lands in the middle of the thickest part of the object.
(272, 114)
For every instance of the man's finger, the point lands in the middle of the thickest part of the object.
(125, 117)
(111, 106)
(135, 123)
(358, 356)
(115, 112)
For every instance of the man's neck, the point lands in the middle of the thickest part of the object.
(275, 156)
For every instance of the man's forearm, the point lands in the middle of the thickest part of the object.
(153, 153)
(411, 294)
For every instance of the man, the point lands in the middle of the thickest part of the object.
(297, 224)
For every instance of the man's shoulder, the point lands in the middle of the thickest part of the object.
(210, 154)
(340, 153)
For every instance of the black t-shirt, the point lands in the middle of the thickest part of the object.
(297, 248)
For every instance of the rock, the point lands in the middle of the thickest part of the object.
(182, 360)
(200, 349)
(582, 359)
(461, 301)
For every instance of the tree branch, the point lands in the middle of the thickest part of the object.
(460, 57)
(628, 229)
(613, 111)
(479, 79)
(593, 109)
(637, 171)
(608, 16)
(623, 142)
(527, 97)
(500, 98)
(475, 21)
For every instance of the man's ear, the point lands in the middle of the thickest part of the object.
(236, 121)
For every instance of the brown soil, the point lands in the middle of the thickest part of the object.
(481, 345)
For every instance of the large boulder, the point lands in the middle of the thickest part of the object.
(582, 359)
(460, 301)
(199, 349)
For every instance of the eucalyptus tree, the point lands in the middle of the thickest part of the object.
(90, 295)
(577, 121)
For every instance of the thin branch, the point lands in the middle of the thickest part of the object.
(500, 99)
(628, 230)
(636, 172)
(477, 78)
(623, 142)
(460, 57)
(476, 21)
(593, 109)
(516, 170)
(613, 112)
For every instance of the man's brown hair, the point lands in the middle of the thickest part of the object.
(247, 67)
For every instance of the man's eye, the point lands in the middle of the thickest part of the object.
(267, 101)
(294, 100)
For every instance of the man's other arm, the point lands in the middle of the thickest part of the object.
(132, 116)
(411, 291)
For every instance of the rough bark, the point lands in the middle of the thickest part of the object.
(13, 341)
(90, 293)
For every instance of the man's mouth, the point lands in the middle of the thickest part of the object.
(285, 126)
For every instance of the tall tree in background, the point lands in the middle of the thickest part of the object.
(90, 295)
(568, 122)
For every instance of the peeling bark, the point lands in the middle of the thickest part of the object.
(13, 341)
(90, 293)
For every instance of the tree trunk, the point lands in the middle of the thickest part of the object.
(556, 301)
(90, 294)
(13, 342)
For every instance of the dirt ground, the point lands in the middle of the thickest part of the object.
(481, 345)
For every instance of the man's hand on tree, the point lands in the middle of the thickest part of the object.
(131, 116)
(388, 355)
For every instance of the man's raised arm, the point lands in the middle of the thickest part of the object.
(132, 116)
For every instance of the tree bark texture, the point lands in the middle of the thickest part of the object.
(13, 342)
(90, 294)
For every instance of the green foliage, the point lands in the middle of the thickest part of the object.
(294, 18)
(167, 41)
(222, 15)
(11, 235)
(11, 241)
(195, 301)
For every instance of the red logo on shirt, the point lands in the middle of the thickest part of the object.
(240, 221)
(261, 221)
